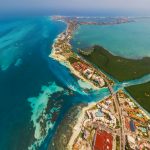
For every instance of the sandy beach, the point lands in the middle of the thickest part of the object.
(61, 57)
(62, 53)
(77, 128)
(66, 63)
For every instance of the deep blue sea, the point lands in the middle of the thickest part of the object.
(34, 88)
(24, 46)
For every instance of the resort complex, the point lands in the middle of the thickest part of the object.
(115, 123)
(62, 51)
(101, 128)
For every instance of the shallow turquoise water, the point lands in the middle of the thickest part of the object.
(26, 79)
(33, 86)
(130, 40)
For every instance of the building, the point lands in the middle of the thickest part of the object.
(132, 126)
(131, 141)
(102, 141)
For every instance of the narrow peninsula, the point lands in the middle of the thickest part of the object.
(62, 52)
(116, 122)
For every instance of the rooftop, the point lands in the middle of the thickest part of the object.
(103, 141)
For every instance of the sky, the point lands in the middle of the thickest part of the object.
(83, 6)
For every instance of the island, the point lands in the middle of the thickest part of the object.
(62, 52)
(116, 122)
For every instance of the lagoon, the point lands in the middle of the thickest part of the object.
(129, 40)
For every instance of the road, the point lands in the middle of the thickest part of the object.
(119, 111)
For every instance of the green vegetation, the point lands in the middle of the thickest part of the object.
(67, 51)
(117, 124)
(117, 142)
(80, 134)
(72, 60)
(120, 68)
(114, 107)
(141, 93)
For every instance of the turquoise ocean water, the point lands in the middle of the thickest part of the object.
(34, 89)
(130, 40)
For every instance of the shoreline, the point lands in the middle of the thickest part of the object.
(79, 121)
(62, 58)
(72, 70)
(124, 69)
(81, 50)
(77, 128)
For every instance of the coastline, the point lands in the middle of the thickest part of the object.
(62, 58)
(120, 68)
(76, 129)
(63, 61)
(65, 129)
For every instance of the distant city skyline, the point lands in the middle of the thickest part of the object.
(76, 6)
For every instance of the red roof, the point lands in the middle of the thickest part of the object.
(127, 123)
(79, 66)
(103, 141)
